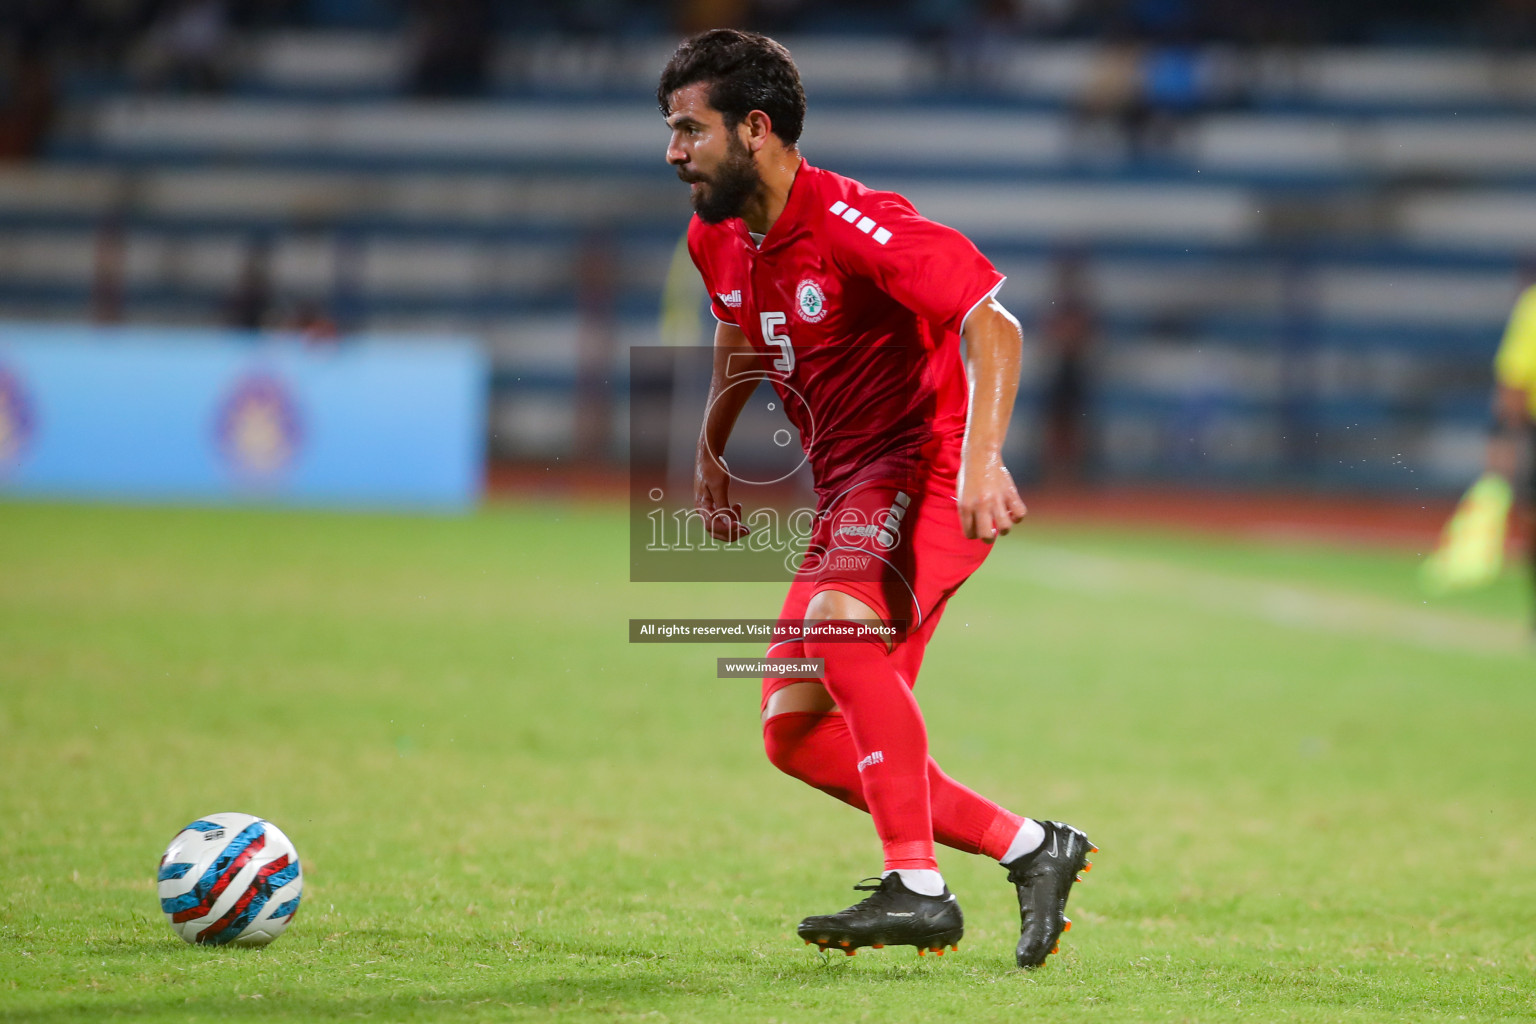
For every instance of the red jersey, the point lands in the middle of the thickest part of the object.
(855, 303)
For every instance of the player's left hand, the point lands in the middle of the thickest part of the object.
(989, 502)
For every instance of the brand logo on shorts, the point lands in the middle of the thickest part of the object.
(731, 298)
(891, 523)
(810, 302)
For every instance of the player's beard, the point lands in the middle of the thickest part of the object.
(725, 193)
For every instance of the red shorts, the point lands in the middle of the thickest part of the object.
(897, 548)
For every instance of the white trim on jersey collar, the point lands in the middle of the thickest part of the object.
(991, 294)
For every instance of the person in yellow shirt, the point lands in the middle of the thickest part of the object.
(1470, 553)
(1514, 398)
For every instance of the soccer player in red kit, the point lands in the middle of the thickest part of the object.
(855, 305)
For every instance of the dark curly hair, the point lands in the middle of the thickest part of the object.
(746, 72)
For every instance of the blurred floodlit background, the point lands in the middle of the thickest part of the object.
(1255, 244)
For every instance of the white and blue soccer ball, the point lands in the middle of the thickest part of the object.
(230, 879)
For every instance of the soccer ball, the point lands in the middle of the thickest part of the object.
(230, 878)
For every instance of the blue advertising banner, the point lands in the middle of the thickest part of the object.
(163, 414)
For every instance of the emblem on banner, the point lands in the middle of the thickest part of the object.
(259, 429)
(16, 418)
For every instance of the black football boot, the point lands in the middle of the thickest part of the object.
(892, 915)
(1044, 878)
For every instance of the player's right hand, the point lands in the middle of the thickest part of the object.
(711, 499)
(989, 502)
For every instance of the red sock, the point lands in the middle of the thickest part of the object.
(889, 738)
(815, 748)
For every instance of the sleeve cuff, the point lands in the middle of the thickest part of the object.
(988, 294)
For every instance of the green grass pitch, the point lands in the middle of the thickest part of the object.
(1315, 794)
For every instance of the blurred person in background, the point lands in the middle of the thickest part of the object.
(1068, 328)
(1173, 76)
(690, 16)
(452, 45)
(1110, 117)
(1046, 18)
(27, 95)
(187, 48)
(775, 16)
(249, 303)
(312, 323)
(1514, 396)
(1509, 24)
(967, 43)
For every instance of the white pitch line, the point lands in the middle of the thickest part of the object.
(1284, 605)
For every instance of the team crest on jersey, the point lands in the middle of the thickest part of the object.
(810, 301)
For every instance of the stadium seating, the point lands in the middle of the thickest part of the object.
(1323, 242)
